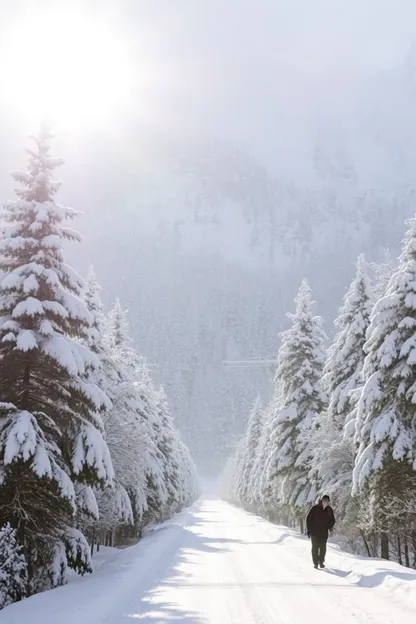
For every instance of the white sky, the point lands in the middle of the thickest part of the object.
(230, 68)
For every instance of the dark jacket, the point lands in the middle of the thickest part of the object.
(320, 521)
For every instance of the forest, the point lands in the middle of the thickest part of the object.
(89, 453)
(342, 421)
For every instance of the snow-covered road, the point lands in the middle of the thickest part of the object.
(215, 564)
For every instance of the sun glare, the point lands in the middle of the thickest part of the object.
(68, 68)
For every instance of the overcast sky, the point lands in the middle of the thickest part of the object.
(253, 71)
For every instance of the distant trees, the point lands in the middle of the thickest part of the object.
(344, 424)
(79, 416)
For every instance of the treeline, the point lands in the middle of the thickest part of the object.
(342, 420)
(89, 453)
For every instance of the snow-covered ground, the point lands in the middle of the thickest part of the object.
(215, 564)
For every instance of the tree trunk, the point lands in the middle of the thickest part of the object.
(26, 382)
(399, 549)
(385, 546)
(375, 544)
(414, 548)
(367, 547)
(406, 554)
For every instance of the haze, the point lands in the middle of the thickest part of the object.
(265, 142)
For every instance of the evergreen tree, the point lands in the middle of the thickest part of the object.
(335, 452)
(299, 403)
(154, 466)
(123, 426)
(138, 408)
(188, 477)
(232, 474)
(251, 445)
(169, 447)
(386, 436)
(383, 272)
(13, 568)
(96, 331)
(50, 428)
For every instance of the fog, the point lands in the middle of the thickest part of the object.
(264, 142)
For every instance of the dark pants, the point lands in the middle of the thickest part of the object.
(318, 549)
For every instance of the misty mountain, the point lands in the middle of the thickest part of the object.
(206, 239)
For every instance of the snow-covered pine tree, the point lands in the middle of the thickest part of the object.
(260, 497)
(251, 445)
(112, 507)
(104, 376)
(148, 491)
(128, 413)
(13, 568)
(169, 447)
(300, 402)
(188, 477)
(386, 434)
(335, 452)
(383, 272)
(270, 489)
(232, 474)
(156, 487)
(95, 334)
(50, 430)
(125, 430)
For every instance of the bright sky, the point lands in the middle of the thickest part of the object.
(213, 65)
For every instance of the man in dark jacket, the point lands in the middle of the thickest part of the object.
(319, 522)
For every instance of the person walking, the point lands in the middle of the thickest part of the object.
(320, 520)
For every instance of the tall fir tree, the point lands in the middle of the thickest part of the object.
(169, 447)
(335, 449)
(251, 447)
(300, 402)
(140, 400)
(385, 432)
(50, 428)
(383, 272)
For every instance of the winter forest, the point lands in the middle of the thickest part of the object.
(222, 327)
(342, 419)
(89, 453)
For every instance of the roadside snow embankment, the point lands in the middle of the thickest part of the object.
(361, 571)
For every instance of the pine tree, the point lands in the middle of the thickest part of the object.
(188, 477)
(383, 272)
(386, 436)
(232, 474)
(299, 403)
(135, 426)
(113, 505)
(50, 428)
(154, 468)
(335, 452)
(125, 504)
(13, 568)
(169, 447)
(95, 334)
(251, 445)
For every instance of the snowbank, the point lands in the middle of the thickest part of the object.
(380, 574)
(117, 575)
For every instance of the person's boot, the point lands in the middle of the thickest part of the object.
(321, 565)
(315, 565)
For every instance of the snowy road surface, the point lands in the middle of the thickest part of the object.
(215, 564)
